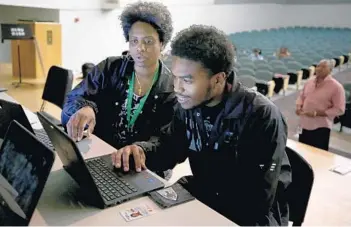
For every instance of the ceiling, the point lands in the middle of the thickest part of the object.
(314, 2)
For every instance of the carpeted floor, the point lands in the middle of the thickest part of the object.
(340, 143)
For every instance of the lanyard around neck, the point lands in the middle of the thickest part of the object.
(132, 118)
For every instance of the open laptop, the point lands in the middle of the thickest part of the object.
(12, 111)
(25, 164)
(103, 184)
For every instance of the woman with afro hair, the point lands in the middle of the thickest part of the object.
(126, 100)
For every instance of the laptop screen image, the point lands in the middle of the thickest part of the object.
(25, 164)
(12, 111)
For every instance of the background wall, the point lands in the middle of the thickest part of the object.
(337, 15)
(54, 4)
(98, 34)
(11, 14)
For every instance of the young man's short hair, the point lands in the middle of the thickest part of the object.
(206, 45)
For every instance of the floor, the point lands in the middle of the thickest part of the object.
(29, 93)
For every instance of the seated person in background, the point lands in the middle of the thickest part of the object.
(321, 100)
(87, 68)
(256, 55)
(129, 98)
(234, 138)
(283, 52)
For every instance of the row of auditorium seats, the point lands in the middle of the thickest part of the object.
(307, 45)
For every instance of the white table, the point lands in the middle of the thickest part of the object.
(330, 201)
(58, 205)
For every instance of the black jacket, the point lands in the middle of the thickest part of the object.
(240, 178)
(104, 90)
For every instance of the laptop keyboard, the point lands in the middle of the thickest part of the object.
(110, 186)
(43, 137)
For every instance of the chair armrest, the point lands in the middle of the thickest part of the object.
(271, 85)
(312, 70)
(342, 59)
(262, 82)
(299, 79)
(286, 82)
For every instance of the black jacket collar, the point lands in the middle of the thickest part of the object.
(164, 83)
(234, 99)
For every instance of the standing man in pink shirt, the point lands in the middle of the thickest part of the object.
(321, 100)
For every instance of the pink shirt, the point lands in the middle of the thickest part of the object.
(329, 96)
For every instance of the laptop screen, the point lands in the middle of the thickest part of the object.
(68, 153)
(12, 111)
(71, 158)
(25, 164)
(64, 147)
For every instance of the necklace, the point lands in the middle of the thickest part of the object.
(139, 90)
(131, 117)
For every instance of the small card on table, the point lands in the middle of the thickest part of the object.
(137, 212)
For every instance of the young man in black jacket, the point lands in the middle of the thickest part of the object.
(234, 137)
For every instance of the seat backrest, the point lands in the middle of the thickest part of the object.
(247, 81)
(58, 84)
(249, 65)
(306, 62)
(347, 86)
(264, 67)
(260, 62)
(276, 62)
(246, 71)
(270, 57)
(328, 55)
(317, 58)
(299, 190)
(293, 65)
(280, 70)
(347, 96)
(264, 75)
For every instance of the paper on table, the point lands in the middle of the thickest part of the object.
(341, 165)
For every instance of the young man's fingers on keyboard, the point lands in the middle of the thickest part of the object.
(116, 158)
(135, 150)
(113, 158)
(125, 157)
(143, 160)
(141, 157)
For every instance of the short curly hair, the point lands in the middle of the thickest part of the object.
(154, 13)
(206, 45)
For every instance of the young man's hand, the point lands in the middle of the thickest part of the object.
(120, 158)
